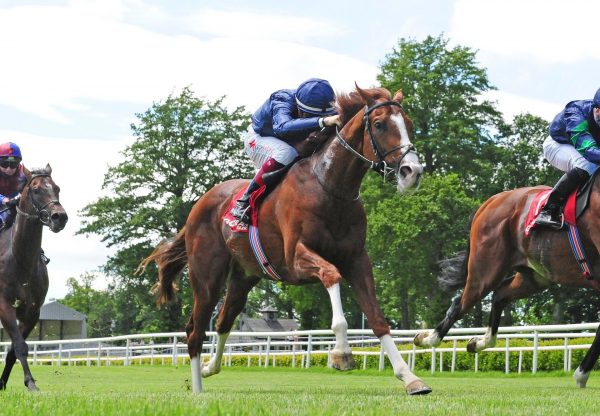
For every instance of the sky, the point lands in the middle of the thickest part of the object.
(74, 74)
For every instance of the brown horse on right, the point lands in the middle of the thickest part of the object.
(498, 248)
(312, 227)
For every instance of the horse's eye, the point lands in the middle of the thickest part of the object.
(378, 125)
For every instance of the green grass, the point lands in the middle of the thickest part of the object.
(156, 390)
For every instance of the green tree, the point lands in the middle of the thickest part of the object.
(444, 88)
(408, 235)
(520, 159)
(183, 147)
(95, 304)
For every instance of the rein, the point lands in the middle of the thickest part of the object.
(380, 166)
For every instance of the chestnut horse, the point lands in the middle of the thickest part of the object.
(498, 248)
(313, 229)
(23, 274)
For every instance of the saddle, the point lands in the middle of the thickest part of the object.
(271, 180)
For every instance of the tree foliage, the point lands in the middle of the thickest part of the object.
(183, 147)
(444, 89)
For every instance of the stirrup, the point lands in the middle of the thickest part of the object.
(241, 213)
(548, 221)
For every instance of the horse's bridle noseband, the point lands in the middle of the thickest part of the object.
(380, 166)
(42, 213)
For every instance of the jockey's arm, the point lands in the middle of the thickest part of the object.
(286, 126)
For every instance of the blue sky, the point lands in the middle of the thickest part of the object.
(75, 73)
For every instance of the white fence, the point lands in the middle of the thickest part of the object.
(266, 347)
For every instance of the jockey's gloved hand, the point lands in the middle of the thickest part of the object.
(13, 202)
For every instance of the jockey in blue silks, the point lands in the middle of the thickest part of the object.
(288, 116)
(573, 147)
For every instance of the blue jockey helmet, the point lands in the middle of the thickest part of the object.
(315, 96)
(10, 151)
(597, 98)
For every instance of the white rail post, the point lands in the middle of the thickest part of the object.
(535, 352)
(268, 351)
(127, 352)
(308, 351)
(60, 353)
(476, 362)
(453, 366)
(35, 354)
(506, 356)
(414, 357)
(174, 359)
(566, 355)
(432, 360)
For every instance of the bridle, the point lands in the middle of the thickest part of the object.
(380, 166)
(42, 213)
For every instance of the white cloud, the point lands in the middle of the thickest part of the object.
(511, 105)
(545, 30)
(61, 55)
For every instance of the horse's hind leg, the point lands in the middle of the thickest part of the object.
(487, 267)
(521, 285)
(235, 300)
(207, 271)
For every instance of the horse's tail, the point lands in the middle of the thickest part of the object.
(453, 275)
(170, 258)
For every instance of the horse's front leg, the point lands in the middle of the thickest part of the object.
(310, 263)
(360, 276)
(19, 349)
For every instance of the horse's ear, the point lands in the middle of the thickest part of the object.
(48, 168)
(399, 96)
(367, 99)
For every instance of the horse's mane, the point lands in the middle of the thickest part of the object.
(348, 104)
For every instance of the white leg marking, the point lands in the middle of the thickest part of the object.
(338, 321)
(432, 340)
(401, 369)
(488, 341)
(196, 378)
(214, 365)
(581, 378)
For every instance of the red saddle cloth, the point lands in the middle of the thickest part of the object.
(255, 199)
(539, 202)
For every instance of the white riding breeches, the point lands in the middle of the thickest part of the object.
(261, 148)
(565, 157)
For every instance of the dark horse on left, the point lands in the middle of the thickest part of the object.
(312, 228)
(23, 274)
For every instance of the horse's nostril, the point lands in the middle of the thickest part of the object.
(405, 171)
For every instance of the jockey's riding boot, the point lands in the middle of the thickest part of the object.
(568, 183)
(271, 179)
(241, 209)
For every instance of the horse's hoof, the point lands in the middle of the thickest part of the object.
(418, 339)
(581, 378)
(32, 387)
(472, 345)
(417, 387)
(343, 361)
